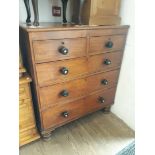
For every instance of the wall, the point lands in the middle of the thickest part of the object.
(45, 11)
(124, 106)
(124, 101)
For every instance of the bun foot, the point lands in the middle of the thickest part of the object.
(46, 136)
(106, 110)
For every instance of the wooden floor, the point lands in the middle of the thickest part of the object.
(95, 134)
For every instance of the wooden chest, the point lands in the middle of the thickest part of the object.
(27, 124)
(75, 70)
(97, 12)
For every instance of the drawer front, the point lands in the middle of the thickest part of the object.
(106, 43)
(26, 117)
(24, 92)
(62, 92)
(51, 50)
(54, 72)
(105, 62)
(102, 81)
(100, 99)
(61, 114)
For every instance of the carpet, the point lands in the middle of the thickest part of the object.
(128, 150)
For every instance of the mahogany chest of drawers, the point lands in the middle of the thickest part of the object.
(75, 70)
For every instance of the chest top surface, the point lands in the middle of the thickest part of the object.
(46, 26)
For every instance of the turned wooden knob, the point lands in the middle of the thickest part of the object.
(107, 62)
(101, 100)
(64, 71)
(109, 44)
(104, 82)
(63, 50)
(64, 93)
(65, 114)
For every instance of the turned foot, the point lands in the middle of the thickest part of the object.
(28, 20)
(36, 23)
(46, 136)
(106, 110)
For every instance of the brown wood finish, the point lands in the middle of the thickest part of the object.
(51, 95)
(54, 115)
(78, 88)
(95, 82)
(85, 63)
(49, 73)
(98, 44)
(96, 62)
(48, 50)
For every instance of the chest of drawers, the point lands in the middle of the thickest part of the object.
(75, 70)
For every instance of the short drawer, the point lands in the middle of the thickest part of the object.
(61, 114)
(51, 50)
(61, 93)
(105, 62)
(106, 43)
(54, 72)
(102, 81)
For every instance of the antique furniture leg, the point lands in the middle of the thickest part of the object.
(27, 5)
(106, 110)
(64, 4)
(46, 135)
(36, 13)
(77, 14)
(80, 11)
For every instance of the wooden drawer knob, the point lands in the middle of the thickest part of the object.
(101, 100)
(64, 70)
(65, 114)
(104, 82)
(107, 62)
(63, 50)
(64, 93)
(109, 44)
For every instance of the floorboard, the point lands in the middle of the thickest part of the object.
(95, 134)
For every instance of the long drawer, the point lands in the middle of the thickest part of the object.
(59, 49)
(68, 91)
(54, 72)
(102, 44)
(61, 114)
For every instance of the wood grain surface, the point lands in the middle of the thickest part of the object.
(98, 44)
(48, 50)
(53, 117)
(87, 63)
(49, 73)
